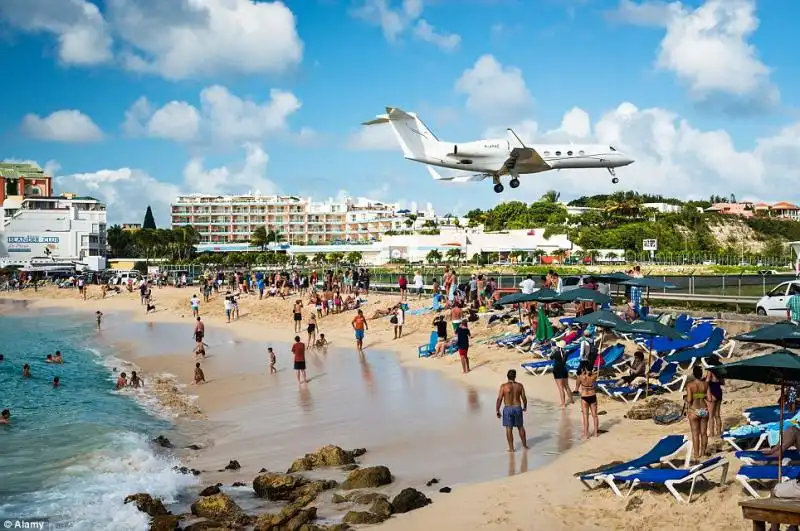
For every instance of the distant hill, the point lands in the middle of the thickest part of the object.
(621, 221)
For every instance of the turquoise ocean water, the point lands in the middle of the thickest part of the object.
(72, 454)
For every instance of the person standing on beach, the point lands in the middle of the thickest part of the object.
(512, 394)
(360, 326)
(199, 331)
(462, 342)
(312, 328)
(273, 359)
(195, 302)
(299, 352)
(419, 284)
(99, 316)
(297, 313)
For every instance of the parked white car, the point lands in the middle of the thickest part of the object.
(774, 302)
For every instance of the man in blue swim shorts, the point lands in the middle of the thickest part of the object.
(512, 394)
(360, 326)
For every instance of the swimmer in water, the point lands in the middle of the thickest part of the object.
(5, 417)
(56, 382)
(49, 359)
(57, 357)
(122, 381)
(199, 376)
(26, 371)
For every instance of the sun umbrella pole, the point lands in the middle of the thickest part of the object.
(780, 438)
(600, 348)
(647, 368)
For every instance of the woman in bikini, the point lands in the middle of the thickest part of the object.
(715, 384)
(697, 403)
(587, 382)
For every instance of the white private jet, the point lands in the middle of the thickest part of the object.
(496, 157)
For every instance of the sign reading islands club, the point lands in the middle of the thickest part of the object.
(22, 244)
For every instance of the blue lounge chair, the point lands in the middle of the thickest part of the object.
(764, 414)
(751, 458)
(611, 356)
(711, 347)
(544, 366)
(666, 381)
(663, 452)
(670, 478)
(697, 335)
(423, 351)
(763, 474)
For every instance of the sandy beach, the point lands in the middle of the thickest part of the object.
(547, 497)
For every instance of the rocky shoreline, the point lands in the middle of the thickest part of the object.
(214, 509)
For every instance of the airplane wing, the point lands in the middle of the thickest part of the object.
(520, 153)
(470, 177)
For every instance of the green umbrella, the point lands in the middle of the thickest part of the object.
(544, 295)
(544, 328)
(612, 278)
(784, 334)
(602, 319)
(516, 298)
(651, 329)
(583, 294)
(779, 368)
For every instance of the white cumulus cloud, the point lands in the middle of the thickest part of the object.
(494, 90)
(178, 39)
(62, 126)
(221, 117)
(373, 138)
(128, 191)
(708, 48)
(405, 17)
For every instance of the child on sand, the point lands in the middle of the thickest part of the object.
(199, 377)
(321, 343)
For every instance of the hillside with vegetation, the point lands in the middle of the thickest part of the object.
(621, 221)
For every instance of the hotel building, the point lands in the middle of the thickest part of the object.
(39, 227)
(299, 221)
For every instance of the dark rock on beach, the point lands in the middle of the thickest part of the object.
(194, 447)
(162, 442)
(233, 465)
(382, 508)
(351, 467)
(327, 456)
(147, 504)
(291, 518)
(165, 522)
(238, 484)
(263, 471)
(363, 517)
(365, 478)
(434, 481)
(408, 500)
(211, 490)
(209, 525)
(445, 490)
(277, 487)
(221, 508)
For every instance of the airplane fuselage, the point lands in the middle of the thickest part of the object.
(490, 155)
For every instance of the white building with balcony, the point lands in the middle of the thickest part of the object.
(232, 219)
(63, 229)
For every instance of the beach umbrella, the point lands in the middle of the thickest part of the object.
(612, 278)
(779, 368)
(515, 298)
(651, 329)
(602, 319)
(583, 294)
(784, 334)
(544, 295)
(544, 328)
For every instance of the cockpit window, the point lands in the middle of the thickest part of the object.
(612, 148)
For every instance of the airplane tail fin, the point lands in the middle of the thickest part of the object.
(416, 140)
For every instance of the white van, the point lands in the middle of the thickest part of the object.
(122, 277)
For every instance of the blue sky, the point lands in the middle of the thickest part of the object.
(134, 102)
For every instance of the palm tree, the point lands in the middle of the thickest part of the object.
(410, 219)
(259, 237)
(593, 255)
(319, 258)
(550, 196)
(301, 259)
(560, 255)
(433, 256)
(538, 254)
(455, 254)
(354, 257)
(334, 258)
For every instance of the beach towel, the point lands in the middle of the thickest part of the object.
(544, 328)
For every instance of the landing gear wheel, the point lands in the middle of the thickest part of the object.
(514, 183)
(498, 188)
(615, 180)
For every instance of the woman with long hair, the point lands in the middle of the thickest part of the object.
(587, 386)
(697, 403)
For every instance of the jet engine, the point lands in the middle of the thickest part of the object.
(481, 148)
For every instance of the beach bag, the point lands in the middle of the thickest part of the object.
(393, 319)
